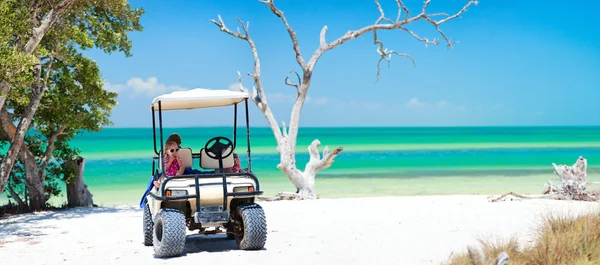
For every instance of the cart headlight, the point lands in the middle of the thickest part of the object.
(243, 189)
(176, 192)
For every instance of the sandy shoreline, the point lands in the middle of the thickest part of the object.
(379, 230)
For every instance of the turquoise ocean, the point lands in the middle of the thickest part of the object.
(375, 161)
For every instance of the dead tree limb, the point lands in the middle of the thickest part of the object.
(260, 98)
(399, 24)
(296, 85)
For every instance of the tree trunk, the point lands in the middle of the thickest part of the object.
(13, 194)
(17, 140)
(305, 181)
(34, 179)
(78, 194)
(37, 34)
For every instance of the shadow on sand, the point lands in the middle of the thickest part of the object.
(28, 225)
(207, 244)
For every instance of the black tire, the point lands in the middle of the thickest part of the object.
(250, 227)
(169, 233)
(230, 231)
(148, 225)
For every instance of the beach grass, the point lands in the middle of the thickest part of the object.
(561, 239)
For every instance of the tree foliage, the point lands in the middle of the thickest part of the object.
(73, 99)
(15, 64)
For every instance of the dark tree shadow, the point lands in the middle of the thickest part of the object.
(24, 225)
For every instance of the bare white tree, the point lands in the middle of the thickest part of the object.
(286, 137)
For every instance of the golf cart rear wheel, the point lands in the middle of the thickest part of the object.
(148, 225)
(169, 233)
(250, 227)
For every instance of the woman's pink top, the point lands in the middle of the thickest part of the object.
(171, 171)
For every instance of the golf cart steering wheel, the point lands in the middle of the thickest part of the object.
(218, 147)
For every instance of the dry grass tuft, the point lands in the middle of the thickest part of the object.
(560, 240)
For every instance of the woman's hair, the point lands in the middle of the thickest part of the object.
(168, 143)
(174, 138)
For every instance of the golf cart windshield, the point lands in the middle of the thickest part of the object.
(198, 98)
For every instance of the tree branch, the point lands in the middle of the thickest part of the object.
(260, 98)
(316, 164)
(387, 55)
(15, 196)
(289, 29)
(39, 32)
(49, 68)
(352, 34)
(242, 88)
(323, 36)
(45, 159)
(384, 53)
(284, 129)
(296, 85)
(401, 6)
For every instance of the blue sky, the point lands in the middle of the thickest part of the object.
(516, 63)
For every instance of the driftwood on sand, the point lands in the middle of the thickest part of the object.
(573, 180)
(573, 186)
(285, 196)
(478, 257)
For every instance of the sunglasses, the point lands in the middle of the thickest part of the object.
(173, 150)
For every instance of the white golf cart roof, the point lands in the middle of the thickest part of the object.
(198, 98)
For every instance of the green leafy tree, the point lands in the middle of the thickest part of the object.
(65, 96)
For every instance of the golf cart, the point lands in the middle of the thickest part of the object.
(212, 202)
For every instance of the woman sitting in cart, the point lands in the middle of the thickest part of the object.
(173, 163)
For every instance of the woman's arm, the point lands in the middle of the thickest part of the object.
(181, 169)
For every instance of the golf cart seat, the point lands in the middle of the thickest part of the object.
(185, 153)
(209, 163)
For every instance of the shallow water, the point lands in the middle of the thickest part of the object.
(375, 161)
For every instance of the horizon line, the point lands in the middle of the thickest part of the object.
(348, 126)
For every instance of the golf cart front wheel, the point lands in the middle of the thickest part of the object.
(250, 227)
(230, 231)
(169, 233)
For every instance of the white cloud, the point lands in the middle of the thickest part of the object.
(113, 87)
(136, 85)
(443, 103)
(321, 100)
(415, 103)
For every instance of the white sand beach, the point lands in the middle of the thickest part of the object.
(380, 230)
